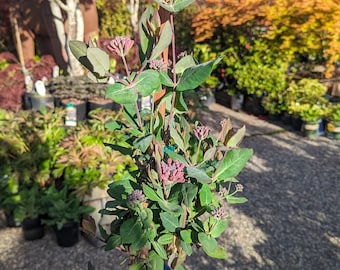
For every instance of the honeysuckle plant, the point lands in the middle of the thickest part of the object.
(175, 199)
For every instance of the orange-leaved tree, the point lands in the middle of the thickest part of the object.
(306, 27)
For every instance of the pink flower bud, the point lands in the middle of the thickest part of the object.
(120, 45)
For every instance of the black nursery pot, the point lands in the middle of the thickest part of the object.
(110, 105)
(32, 229)
(39, 102)
(253, 105)
(297, 123)
(10, 220)
(68, 235)
(26, 100)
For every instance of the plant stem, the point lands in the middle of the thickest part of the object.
(139, 119)
(126, 68)
(174, 78)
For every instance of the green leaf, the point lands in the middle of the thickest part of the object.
(136, 266)
(176, 7)
(237, 137)
(78, 48)
(113, 125)
(113, 241)
(129, 114)
(165, 79)
(117, 190)
(123, 150)
(194, 76)
(177, 138)
(143, 143)
(233, 163)
(234, 200)
(155, 261)
(210, 154)
(186, 247)
(182, 4)
(174, 156)
(186, 236)
(159, 249)
(131, 231)
(112, 204)
(148, 82)
(184, 63)
(165, 5)
(92, 76)
(205, 195)
(100, 61)
(180, 104)
(146, 215)
(121, 93)
(151, 194)
(218, 253)
(200, 175)
(189, 192)
(208, 242)
(165, 239)
(173, 208)
(218, 228)
(170, 222)
(164, 41)
(141, 241)
(144, 36)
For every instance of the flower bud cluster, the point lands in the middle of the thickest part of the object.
(120, 45)
(136, 197)
(158, 65)
(201, 132)
(219, 213)
(172, 172)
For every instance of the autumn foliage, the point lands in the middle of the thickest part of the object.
(309, 28)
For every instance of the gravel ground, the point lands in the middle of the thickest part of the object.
(290, 222)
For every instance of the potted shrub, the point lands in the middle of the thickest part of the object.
(64, 211)
(259, 80)
(32, 209)
(173, 201)
(41, 132)
(304, 94)
(332, 116)
(84, 162)
(311, 116)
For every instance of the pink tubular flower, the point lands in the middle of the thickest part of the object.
(201, 132)
(172, 172)
(120, 45)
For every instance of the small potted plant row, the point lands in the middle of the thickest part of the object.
(303, 104)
